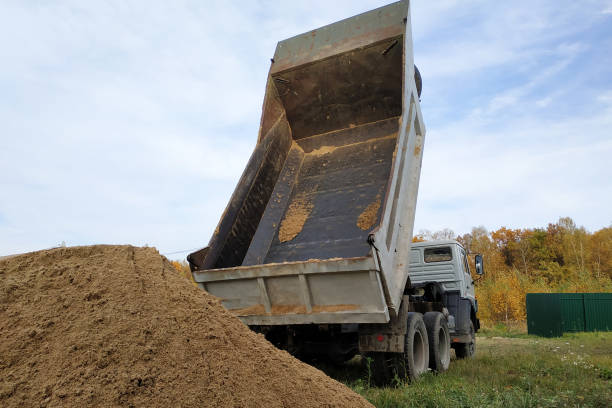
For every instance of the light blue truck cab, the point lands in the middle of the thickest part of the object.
(439, 271)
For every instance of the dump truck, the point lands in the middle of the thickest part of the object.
(314, 249)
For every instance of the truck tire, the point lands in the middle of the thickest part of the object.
(439, 341)
(416, 348)
(385, 367)
(467, 350)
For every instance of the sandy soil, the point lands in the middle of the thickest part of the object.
(118, 326)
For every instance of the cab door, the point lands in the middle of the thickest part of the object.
(467, 276)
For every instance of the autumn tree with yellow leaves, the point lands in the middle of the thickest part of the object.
(559, 258)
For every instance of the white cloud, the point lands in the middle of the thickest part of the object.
(480, 34)
(518, 95)
(605, 97)
(544, 102)
(524, 173)
(131, 122)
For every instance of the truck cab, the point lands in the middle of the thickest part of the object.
(439, 271)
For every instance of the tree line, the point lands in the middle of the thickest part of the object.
(559, 258)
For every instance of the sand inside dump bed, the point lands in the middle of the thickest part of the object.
(367, 218)
(118, 326)
(296, 217)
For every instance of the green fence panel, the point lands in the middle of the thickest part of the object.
(544, 314)
(598, 311)
(552, 314)
(572, 311)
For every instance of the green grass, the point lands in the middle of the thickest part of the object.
(509, 370)
(510, 329)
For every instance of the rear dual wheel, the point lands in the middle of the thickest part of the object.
(389, 367)
(439, 341)
(416, 347)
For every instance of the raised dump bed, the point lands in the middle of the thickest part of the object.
(318, 228)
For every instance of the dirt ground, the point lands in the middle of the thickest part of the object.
(118, 326)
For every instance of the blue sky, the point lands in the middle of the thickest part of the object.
(130, 122)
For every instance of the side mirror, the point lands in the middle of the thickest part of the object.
(479, 264)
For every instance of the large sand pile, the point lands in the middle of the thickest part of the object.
(117, 325)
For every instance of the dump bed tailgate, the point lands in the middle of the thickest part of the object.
(316, 291)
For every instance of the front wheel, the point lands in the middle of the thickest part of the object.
(467, 350)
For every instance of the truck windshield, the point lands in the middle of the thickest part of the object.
(438, 254)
